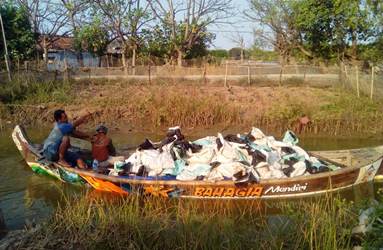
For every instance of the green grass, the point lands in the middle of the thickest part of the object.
(35, 92)
(342, 114)
(94, 222)
(373, 239)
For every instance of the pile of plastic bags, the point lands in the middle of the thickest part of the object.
(241, 158)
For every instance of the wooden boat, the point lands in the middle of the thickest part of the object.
(357, 166)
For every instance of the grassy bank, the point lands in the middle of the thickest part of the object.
(148, 223)
(190, 104)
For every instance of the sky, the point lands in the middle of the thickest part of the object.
(226, 33)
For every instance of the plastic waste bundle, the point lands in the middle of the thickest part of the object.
(241, 158)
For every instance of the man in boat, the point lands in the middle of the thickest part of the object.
(57, 144)
(102, 148)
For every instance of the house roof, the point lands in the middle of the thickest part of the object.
(67, 43)
(57, 43)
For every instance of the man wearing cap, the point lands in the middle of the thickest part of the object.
(57, 144)
(102, 148)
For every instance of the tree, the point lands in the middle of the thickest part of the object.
(199, 48)
(94, 37)
(48, 20)
(334, 28)
(315, 24)
(257, 53)
(276, 25)
(219, 53)
(325, 29)
(76, 13)
(124, 19)
(239, 40)
(158, 43)
(17, 29)
(188, 20)
(238, 53)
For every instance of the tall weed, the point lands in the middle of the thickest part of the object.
(153, 223)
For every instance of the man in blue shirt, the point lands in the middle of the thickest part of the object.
(57, 144)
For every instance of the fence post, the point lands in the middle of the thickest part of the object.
(150, 80)
(107, 67)
(26, 66)
(304, 73)
(341, 77)
(347, 79)
(225, 84)
(345, 71)
(204, 74)
(65, 69)
(372, 81)
(280, 76)
(357, 80)
(248, 73)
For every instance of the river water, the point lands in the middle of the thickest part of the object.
(27, 197)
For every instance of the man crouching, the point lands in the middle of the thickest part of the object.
(103, 150)
(57, 144)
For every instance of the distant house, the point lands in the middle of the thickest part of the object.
(56, 43)
(235, 54)
(114, 47)
(61, 48)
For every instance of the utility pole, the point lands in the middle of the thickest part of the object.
(6, 50)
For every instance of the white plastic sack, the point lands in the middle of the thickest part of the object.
(276, 171)
(299, 169)
(227, 153)
(301, 152)
(191, 172)
(204, 156)
(227, 170)
(206, 141)
(257, 133)
(135, 160)
(155, 162)
(263, 170)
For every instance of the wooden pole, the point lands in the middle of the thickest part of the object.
(372, 81)
(357, 80)
(346, 72)
(225, 84)
(280, 76)
(248, 73)
(107, 67)
(341, 77)
(149, 74)
(7, 64)
(347, 79)
(204, 74)
(304, 73)
(65, 68)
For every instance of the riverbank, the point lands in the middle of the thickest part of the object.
(138, 105)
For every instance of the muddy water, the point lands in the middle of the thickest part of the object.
(26, 197)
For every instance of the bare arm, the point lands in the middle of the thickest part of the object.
(81, 120)
(81, 135)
